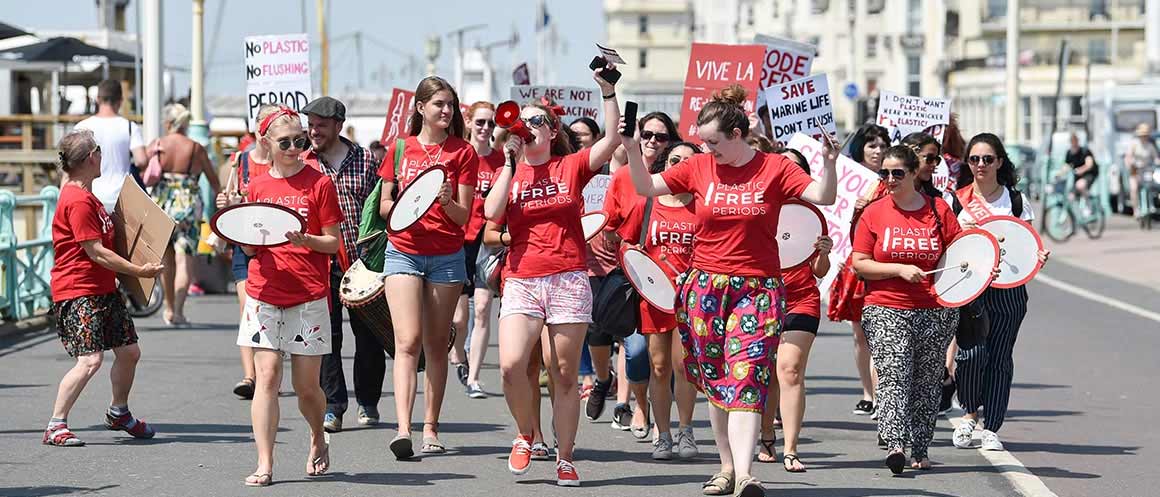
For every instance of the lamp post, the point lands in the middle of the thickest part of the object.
(198, 129)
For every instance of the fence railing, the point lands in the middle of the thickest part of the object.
(25, 266)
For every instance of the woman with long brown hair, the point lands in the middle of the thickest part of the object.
(424, 265)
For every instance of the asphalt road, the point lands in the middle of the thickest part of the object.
(1080, 421)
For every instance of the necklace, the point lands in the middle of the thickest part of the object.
(432, 159)
(986, 196)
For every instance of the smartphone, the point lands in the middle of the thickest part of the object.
(629, 118)
(609, 75)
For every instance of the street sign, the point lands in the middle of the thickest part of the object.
(850, 91)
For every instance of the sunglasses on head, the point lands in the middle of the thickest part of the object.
(536, 121)
(985, 159)
(299, 143)
(930, 159)
(896, 173)
(484, 123)
(648, 135)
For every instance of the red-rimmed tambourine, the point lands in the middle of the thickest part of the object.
(1019, 247)
(798, 227)
(593, 223)
(964, 270)
(257, 224)
(416, 199)
(649, 279)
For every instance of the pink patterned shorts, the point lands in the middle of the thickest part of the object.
(561, 298)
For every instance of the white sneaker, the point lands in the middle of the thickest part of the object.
(686, 444)
(991, 441)
(962, 436)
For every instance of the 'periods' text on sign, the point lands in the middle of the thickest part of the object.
(277, 72)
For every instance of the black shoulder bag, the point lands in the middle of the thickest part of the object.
(974, 321)
(616, 305)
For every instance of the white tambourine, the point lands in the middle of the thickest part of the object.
(257, 224)
(798, 227)
(416, 199)
(964, 270)
(593, 223)
(1019, 247)
(649, 280)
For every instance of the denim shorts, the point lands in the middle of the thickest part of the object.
(240, 264)
(444, 269)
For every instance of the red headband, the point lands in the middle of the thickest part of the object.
(264, 126)
(557, 110)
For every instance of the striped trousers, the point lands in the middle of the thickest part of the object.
(983, 373)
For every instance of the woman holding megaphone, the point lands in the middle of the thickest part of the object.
(539, 195)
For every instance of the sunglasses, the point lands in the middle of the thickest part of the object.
(536, 121)
(930, 159)
(676, 159)
(648, 135)
(985, 159)
(299, 143)
(96, 150)
(484, 123)
(896, 173)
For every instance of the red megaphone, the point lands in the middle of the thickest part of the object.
(507, 116)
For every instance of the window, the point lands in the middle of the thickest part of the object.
(751, 18)
(1098, 52)
(643, 58)
(871, 46)
(914, 16)
(996, 9)
(875, 6)
(816, 41)
(819, 6)
(643, 25)
(913, 76)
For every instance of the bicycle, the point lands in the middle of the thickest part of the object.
(1149, 185)
(1063, 210)
(137, 311)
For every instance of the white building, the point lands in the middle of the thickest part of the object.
(654, 37)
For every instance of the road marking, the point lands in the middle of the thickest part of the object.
(1090, 295)
(1024, 481)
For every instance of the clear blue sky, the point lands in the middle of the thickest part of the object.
(400, 25)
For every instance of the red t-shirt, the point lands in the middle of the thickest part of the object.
(435, 233)
(488, 170)
(287, 276)
(801, 290)
(543, 217)
(737, 210)
(670, 233)
(256, 169)
(79, 217)
(892, 235)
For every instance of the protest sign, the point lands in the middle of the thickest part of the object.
(610, 54)
(398, 113)
(854, 182)
(785, 60)
(577, 102)
(595, 191)
(902, 115)
(521, 76)
(141, 235)
(277, 72)
(712, 67)
(801, 106)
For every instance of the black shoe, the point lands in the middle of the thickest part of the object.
(597, 398)
(622, 417)
(895, 461)
(461, 371)
(864, 408)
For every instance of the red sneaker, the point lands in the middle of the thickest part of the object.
(128, 424)
(521, 457)
(566, 474)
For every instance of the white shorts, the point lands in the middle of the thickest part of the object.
(300, 330)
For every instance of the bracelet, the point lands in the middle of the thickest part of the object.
(610, 96)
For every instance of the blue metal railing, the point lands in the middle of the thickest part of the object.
(26, 265)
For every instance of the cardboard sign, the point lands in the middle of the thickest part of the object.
(801, 106)
(577, 102)
(854, 182)
(903, 115)
(712, 67)
(785, 60)
(277, 72)
(398, 114)
(595, 192)
(142, 233)
(521, 76)
(610, 55)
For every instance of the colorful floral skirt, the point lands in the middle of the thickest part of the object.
(179, 196)
(729, 327)
(94, 323)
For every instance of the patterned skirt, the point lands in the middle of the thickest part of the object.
(729, 327)
(94, 323)
(179, 196)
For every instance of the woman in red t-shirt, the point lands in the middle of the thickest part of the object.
(803, 313)
(669, 240)
(480, 126)
(286, 309)
(731, 302)
(898, 238)
(546, 282)
(90, 313)
(424, 265)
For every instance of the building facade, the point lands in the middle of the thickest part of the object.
(654, 37)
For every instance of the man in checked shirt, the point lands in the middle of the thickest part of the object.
(354, 172)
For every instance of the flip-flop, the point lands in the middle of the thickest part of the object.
(318, 461)
(768, 445)
(401, 447)
(787, 462)
(259, 480)
(432, 445)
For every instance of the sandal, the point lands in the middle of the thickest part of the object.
(720, 484)
(61, 436)
(749, 487)
(259, 480)
(322, 461)
(767, 445)
(790, 462)
(921, 464)
(431, 444)
(401, 447)
(540, 451)
(245, 389)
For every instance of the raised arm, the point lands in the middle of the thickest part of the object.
(824, 190)
(603, 148)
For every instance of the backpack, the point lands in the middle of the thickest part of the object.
(616, 304)
(372, 234)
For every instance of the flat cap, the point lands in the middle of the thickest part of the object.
(326, 107)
